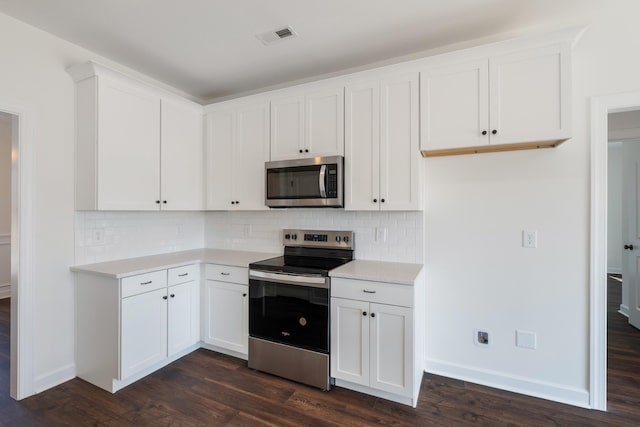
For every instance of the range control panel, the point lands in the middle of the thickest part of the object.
(319, 238)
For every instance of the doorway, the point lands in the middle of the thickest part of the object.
(6, 138)
(601, 108)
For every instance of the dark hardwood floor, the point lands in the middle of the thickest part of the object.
(209, 389)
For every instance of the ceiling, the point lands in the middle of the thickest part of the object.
(209, 49)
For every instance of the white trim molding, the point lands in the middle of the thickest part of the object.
(517, 384)
(601, 106)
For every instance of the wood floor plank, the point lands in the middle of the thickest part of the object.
(205, 388)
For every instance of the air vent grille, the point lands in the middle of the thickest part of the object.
(279, 34)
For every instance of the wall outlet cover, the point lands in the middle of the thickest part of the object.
(482, 337)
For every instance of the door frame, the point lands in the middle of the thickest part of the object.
(601, 106)
(22, 253)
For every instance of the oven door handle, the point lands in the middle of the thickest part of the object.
(290, 279)
(321, 181)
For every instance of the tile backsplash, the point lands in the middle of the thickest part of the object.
(262, 231)
(106, 236)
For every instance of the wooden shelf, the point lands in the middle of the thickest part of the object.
(491, 148)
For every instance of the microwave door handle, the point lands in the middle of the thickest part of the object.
(321, 181)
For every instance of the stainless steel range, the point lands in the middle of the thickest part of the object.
(289, 306)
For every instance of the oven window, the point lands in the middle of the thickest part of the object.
(289, 314)
(300, 182)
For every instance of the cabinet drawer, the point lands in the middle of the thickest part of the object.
(226, 273)
(377, 292)
(186, 273)
(141, 283)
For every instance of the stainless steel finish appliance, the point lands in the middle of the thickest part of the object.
(289, 306)
(313, 182)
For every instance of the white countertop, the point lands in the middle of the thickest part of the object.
(132, 266)
(379, 271)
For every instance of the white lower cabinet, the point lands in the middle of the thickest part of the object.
(226, 299)
(129, 327)
(373, 344)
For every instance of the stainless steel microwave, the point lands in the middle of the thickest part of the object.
(313, 182)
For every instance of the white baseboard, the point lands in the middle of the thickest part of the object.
(54, 378)
(624, 310)
(5, 291)
(516, 384)
(614, 270)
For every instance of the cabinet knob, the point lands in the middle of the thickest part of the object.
(158, 202)
(164, 201)
(484, 132)
(306, 150)
(237, 202)
(233, 203)
(164, 297)
(364, 313)
(382, 200)
(494, 132)
(244, 295)
(173, 295)
(300, 150)
(375, 200)
(373, 315)
(628, 247)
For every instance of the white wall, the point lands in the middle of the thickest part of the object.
(614, 208)
(262, 231)
(479, 276)
(5, 205)
(33, 75)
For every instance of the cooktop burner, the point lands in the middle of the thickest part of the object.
(310, 252)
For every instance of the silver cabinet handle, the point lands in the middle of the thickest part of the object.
(183, 274)
(146, 283)
(368, 292)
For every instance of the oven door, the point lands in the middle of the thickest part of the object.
(289, 309)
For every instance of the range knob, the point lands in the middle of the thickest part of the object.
(287, 236)
(345, 239)
(338, 239)
(294, 236)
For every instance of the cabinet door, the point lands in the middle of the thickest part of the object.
(143, 332)
(227, 315)
(219, 169)
(530, 95)
(183, 317)
(324, 123)
(391, 348)
(399, 153)
(181, 156)
(350, 340)
(250, 151)
(362, 146)
(128, 147)
(455, 106)
(287, 128)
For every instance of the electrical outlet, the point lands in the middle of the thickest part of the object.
(481, 337)
(98, 236)
(381, 234)
(529, 239)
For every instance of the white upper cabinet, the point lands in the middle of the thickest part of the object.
(137, 148)
(308, 125)
(512, 101)
(237, 146)
(181, 156)
(381, 144)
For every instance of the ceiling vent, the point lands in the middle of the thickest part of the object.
(277, 35)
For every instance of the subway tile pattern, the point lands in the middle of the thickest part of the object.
(106, 236)
(262, 231)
